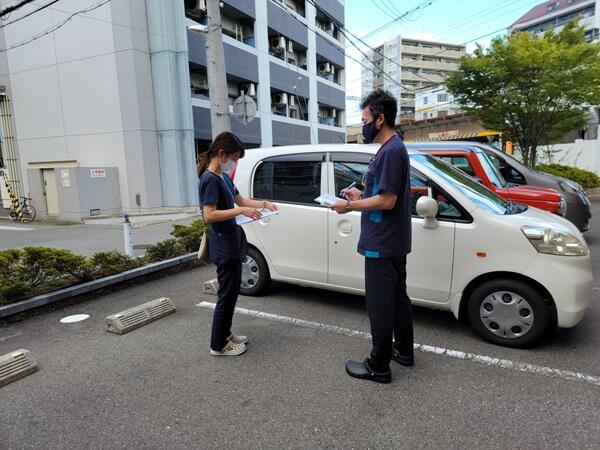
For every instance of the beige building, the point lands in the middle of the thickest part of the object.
(412, 64)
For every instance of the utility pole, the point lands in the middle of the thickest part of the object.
(215, 67)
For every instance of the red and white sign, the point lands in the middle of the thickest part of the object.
(98, 173)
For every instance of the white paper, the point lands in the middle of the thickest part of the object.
(241, 220)
(328, 199)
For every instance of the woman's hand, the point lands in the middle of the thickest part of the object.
(252, 213)
(270, 206)
(352, 193)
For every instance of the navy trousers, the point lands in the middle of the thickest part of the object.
(229, 275)
(389, 309)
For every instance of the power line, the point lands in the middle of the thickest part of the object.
(30, 13)
(55, 27)
(380, 7)
(421, 5)
(10, 9)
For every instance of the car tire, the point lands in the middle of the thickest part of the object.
(509, 313)
(255, 274)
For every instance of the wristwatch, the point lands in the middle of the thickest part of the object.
(348, 205)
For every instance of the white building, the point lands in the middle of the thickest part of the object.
(434, 101)
(555, 14)
(411, 64)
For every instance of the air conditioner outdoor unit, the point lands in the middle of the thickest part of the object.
(277, 44)
(324, 68)
(290, 47)
(249, 89)
(280, 99)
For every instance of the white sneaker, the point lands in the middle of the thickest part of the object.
(238, 339)
(231, 349)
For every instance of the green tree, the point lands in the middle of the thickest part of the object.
(532, 89)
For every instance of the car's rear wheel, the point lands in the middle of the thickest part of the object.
(255, 274)
(509, 312)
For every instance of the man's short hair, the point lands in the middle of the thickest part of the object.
(382, 102)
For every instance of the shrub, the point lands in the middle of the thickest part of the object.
(104, 264)
(43, 265)
(166, 249)
(585, 178)
(190, 236)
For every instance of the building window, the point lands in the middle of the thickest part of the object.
(442, 98)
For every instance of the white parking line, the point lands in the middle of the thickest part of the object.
(16, 229)
(457, 354)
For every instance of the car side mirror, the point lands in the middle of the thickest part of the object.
(427, 208)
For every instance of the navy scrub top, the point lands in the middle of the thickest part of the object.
(226, 242)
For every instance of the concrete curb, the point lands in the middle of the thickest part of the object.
(84, 288)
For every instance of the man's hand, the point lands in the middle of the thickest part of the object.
(352, 193)
(340, 207)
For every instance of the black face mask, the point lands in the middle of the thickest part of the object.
(369, 132)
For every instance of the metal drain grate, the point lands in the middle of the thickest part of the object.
(138, 316)
(15, 365)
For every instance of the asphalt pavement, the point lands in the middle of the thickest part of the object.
(158, 387)
(86, 239)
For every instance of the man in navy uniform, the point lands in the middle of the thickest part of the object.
(385, 240)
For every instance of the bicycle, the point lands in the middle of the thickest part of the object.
(27, 210)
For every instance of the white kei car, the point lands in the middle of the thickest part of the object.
(513, 271)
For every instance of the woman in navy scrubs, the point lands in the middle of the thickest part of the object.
(227, 246)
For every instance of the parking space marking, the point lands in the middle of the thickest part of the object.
(16, 228)
(440, 351)
(6, 338)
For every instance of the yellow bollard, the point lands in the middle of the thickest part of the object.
(14, 200)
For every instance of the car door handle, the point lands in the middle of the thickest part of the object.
(344, 228)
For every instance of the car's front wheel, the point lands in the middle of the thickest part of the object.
(509, 312)
(255, 274)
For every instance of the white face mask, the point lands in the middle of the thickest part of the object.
(229, 166)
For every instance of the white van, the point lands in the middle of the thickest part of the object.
(513, 271)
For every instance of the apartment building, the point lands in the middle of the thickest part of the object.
(554, 14)
(402, 66)
(104, 107)
(287, 55)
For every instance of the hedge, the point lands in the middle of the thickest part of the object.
(37, 270)
(587, 179)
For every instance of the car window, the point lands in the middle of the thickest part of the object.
(288, 181)
(421, 186)
(477, 193)
(347, 172)
(460, 162)
(491, 170)
(506, 170)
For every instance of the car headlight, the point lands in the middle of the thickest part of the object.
(562, 206)
(555, 242)
(567, 187)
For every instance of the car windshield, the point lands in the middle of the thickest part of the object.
(476, 192)
(491, 170)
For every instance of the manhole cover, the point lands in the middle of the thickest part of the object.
(75, 318)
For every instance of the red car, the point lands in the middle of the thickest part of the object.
(477, 164)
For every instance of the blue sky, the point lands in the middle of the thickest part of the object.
(452, 21)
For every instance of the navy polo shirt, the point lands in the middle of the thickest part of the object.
(387, 233)
(221, 192)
